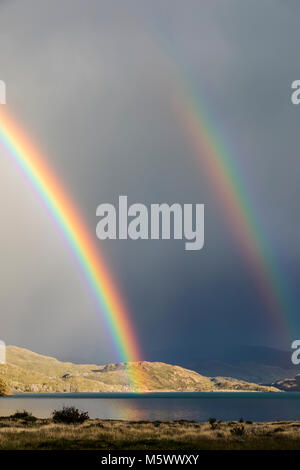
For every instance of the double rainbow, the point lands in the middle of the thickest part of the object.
(17, 146)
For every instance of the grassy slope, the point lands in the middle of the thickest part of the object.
(27, 371)
(121, 435)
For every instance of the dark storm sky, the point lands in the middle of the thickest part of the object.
(92, 83)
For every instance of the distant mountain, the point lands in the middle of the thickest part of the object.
(259, 364)
(27, 371)
(289, 384)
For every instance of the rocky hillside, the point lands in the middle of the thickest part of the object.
(289, 385)
(27, 371)
(4, 388)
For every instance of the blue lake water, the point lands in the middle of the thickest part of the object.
(163, 406)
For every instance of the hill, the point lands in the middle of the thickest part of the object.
(289, 384)
(26, 371)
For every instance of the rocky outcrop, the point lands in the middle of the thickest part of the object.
(4, 388)
(288, 385)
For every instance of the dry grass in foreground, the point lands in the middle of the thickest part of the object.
(23, 431)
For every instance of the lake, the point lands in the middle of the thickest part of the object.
(163, 406)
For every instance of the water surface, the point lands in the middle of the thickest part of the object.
(162, 406)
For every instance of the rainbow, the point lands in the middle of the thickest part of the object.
(67, 217)
(221, 170)
(220, 166)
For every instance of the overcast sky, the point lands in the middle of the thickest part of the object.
(92, 83)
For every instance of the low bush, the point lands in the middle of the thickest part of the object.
(213, 423)
(238, 430)
(69, 415)
(25, 416)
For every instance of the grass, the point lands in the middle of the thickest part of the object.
(17, 433)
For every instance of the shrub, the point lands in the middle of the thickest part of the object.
(69, 415)
(213, 423)
(24, 415)
(279, 429)
(238, 430)
(241, 420)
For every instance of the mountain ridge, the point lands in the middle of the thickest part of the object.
(258, 364)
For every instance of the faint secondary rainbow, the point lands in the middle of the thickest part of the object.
(220, 166)
(18, 147)
(222, 172)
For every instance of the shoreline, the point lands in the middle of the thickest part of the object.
(159, 394)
